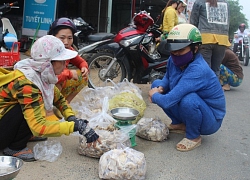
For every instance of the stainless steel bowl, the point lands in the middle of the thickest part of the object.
(9, 167)
(124, 113)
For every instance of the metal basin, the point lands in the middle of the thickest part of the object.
(124, 113)
(9, 167)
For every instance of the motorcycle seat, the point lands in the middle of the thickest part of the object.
(100, 36)
(7, 25)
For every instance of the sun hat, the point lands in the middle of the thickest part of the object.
(184, 4)
(51, 48)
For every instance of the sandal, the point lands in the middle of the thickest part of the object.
(36, 138)
(177, 131)
(226, 87)
(190, 145)
(25, 154)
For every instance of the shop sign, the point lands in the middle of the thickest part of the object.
(37, 16)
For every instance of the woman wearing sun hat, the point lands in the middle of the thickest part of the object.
(28, 92)
(180, 9)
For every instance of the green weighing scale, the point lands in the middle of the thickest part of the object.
(124, 117)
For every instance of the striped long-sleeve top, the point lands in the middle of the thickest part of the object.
(22, 91)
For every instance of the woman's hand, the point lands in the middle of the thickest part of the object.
(153, 91)
(75, 76)
(85, 72)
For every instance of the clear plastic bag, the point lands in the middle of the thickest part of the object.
(152, 129)
(128, 99)
(125, 85)
(102, 119)
(111, 139)
(82, 112)
(122, 164)
(47, 150)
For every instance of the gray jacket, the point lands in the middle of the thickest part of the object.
(214, 20)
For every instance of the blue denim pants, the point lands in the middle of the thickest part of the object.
(196, 115)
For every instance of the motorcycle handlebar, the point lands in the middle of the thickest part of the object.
(91, 28)
(6, 7)
(14, 3)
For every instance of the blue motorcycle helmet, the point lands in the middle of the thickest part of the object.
(9, 39)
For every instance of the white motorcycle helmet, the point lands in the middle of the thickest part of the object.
(181, 36)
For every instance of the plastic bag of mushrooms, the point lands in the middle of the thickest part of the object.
(122, 164)
(111, 138)
(152, 129)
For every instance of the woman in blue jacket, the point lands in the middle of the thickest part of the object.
(190, 93)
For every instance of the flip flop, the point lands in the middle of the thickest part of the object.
(190, 145)
(25, 154)
(177, 131)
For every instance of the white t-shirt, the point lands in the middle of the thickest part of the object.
(239, 33)
(182, 18)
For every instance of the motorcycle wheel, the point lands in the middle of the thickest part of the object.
(98, 64)
(246, 57)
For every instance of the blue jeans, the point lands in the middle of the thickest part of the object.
(195, 114)
(228, 77)
(213, 54)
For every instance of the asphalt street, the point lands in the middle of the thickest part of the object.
(224, 155)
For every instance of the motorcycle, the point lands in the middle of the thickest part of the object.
(85, 34)
(132, 55)
(8, 34)
(243, 50)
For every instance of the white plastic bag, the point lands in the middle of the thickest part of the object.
(122, 164)
(110, 140)
(128, 99)
(102, 119)
(47, 150)
(125, 85)
(152, 129)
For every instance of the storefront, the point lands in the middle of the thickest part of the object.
(104, 15)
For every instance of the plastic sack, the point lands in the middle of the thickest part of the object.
(152, 129)
(122, 164)
(82, 112)
(128, 99)
(125, 85)
(47, 150)
(93, 98)
(111, 138)
(102, 119)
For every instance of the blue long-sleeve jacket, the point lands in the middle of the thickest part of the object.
(196, 78)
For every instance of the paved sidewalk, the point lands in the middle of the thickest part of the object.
(223, 155)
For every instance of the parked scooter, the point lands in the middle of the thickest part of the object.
(7, 33)
(86, 52)
(133, 55)
(85, 34)
(243, 50)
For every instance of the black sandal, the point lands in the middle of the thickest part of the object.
(25, 154)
